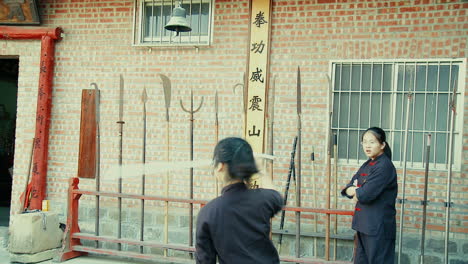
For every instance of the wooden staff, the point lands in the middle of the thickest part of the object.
(270, 120)
(335, 172)
(328, 181)
(121, 123)
(98, 160)
(216, 137)
(425, 201)
(167, 100)
(27, 190)
(298, 176)
(292, 173)
(312, 157)
(144, 98)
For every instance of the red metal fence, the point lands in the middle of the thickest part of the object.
(72, 246)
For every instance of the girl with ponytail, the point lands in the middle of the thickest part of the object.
(235, 227)
(374, 188)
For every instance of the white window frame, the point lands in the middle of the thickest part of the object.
(183, 39)
(458, 138)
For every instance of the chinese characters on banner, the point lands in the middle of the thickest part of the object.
(258, 73)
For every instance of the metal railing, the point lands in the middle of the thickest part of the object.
(72, 246)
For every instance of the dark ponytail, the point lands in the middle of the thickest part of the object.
(238, 155)
(381, 137)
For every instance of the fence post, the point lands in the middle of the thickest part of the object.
(72, 224)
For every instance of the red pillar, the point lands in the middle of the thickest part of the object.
(44, 103)
(41, 138)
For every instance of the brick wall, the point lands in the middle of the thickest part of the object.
(97, 47)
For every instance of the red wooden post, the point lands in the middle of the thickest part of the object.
(44, 105)
(72, 223)
(8, 32)
(37, 187)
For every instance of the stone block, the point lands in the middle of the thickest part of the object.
(457, 261)
(432, 260)
(438, 246)
(34, 232)
(34, 258)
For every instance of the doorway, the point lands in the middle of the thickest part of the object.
(8, 103)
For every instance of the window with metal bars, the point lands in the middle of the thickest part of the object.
(367, 94)
(152, 15)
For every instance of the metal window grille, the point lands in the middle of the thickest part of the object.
(367, 94)
(150, 17)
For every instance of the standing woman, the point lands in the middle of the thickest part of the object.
(235, 226)
(374, 188)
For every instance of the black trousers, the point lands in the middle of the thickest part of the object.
(374, 249)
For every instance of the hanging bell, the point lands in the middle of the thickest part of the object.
(178, 21)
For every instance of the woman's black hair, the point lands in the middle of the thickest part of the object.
(381, 137)
(238, 155)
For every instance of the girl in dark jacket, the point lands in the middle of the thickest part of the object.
(235, 227)
(374, 188)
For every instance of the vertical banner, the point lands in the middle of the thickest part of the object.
(258, 72)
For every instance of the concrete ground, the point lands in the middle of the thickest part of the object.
(91, 259)
(5, 259)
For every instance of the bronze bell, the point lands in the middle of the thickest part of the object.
(178, 21)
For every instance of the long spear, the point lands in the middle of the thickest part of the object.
(121, 123)
(448, 203)
(403, 200)
(298, 176)
(144, 98)
(167, 100)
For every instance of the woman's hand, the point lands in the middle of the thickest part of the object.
(351, 191)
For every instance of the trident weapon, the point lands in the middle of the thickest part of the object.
(144, 98)
(121, 123)
(191, 112)
(167, 99)
(98, 160)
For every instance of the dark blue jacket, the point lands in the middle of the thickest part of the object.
(375, 209)
(236, 227)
